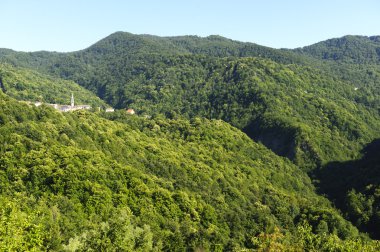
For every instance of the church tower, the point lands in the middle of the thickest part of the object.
(72, 100)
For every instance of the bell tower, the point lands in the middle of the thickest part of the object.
(72, 100)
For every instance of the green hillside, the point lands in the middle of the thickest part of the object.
(317, 107)
(28, 85)
(82, 181)
(354, 59)
(308, 115)
(318, 117)
(349, 49)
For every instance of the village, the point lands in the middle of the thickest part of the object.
(73, 107)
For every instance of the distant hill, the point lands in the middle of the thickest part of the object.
(127, 43)
(124, 44)
(354, 59)
(348, 49)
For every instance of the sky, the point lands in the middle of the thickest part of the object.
(70, 25)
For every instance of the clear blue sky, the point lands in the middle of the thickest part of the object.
(69, 25)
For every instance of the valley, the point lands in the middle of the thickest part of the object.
(235, 146)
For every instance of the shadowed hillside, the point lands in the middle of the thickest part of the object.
(354, 187)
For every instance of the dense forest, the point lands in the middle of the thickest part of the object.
(354, 187)
(114, 181)
(28, 85)
(234, 146)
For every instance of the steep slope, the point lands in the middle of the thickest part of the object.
(355, 59)
(354, 187)
(81, 181)
(28, 85)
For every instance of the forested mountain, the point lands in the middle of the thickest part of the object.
(130, 44)
(124, 44)
(121, 49)
(182, 76)
(348, 49)
(315, 107)
(84, 181)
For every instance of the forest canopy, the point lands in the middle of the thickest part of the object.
(234, 146)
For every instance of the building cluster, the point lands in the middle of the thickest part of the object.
(65, 108)
(73, 107)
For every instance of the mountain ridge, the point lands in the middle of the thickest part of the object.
(350, 48)
(143, 71)
(374, 38)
